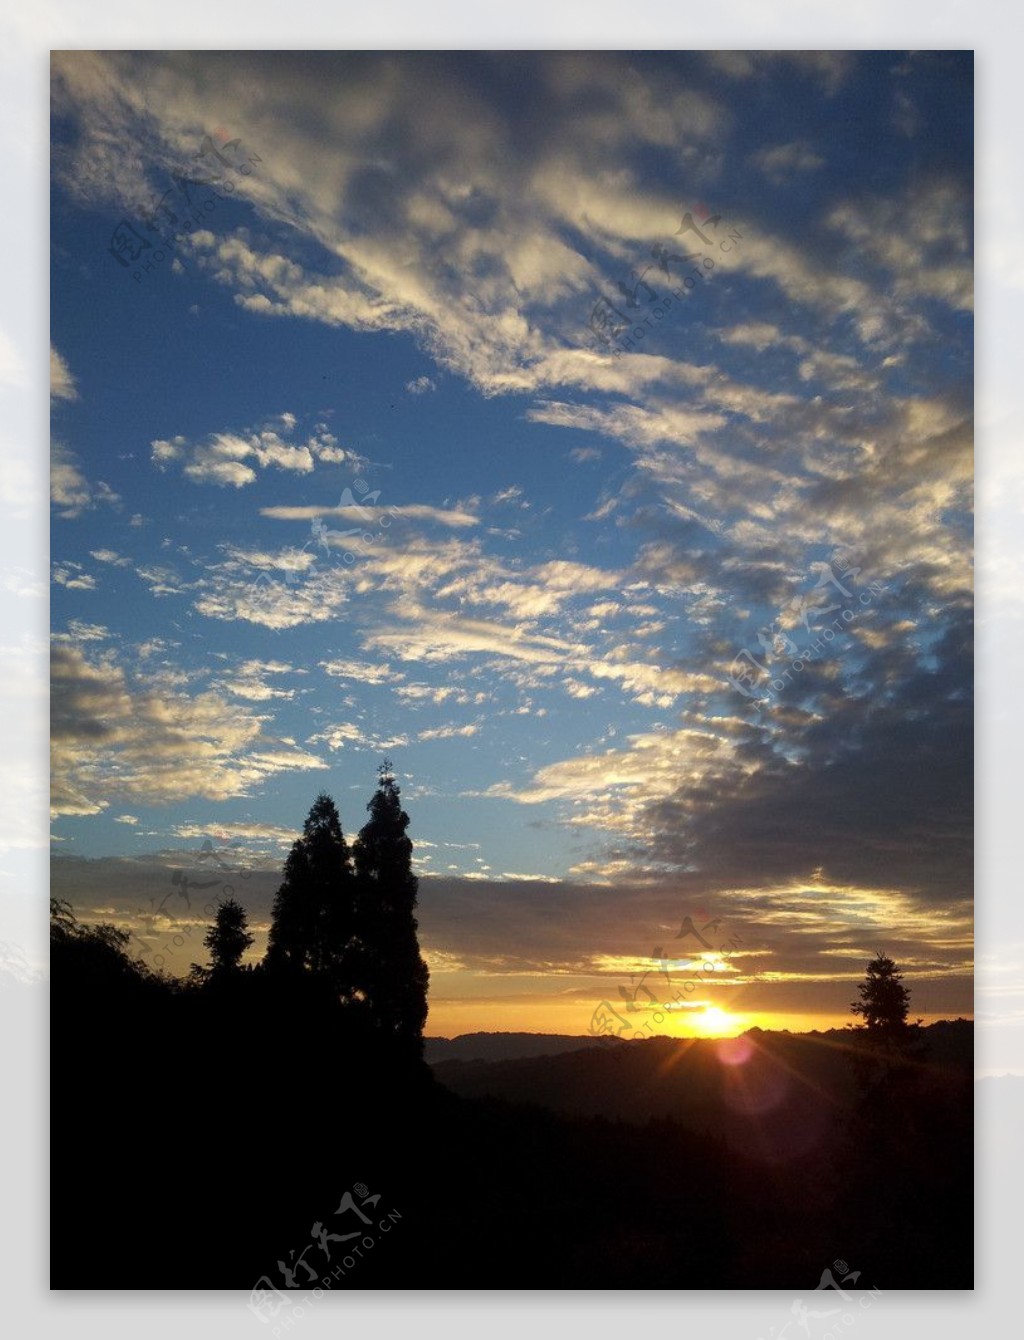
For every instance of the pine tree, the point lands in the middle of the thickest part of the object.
(228, 938)
(313, 914)
(887, 1109)
(392, 974)
(884, 1000)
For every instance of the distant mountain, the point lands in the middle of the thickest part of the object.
(777, 1083)
(947, 1041)
(509, 1046)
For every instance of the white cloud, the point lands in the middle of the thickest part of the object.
(249, 680)
(432, 635)
(359, 737)
(62, 384)
(780, 161)
(449, 732)
(454, 518)
(230, 592)
(78, 631)
(362, 671)
(73, 576)
(137, 737)
(69, 488)
(260, 832)
(231, 459)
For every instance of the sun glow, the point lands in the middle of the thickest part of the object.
(716, 1023)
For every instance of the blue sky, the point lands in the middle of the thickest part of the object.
(591, 564)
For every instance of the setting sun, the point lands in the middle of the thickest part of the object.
(716, 1023)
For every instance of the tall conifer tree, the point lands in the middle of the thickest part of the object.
(392, 974)
(314, 909)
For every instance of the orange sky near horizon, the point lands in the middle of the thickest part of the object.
(449, 1018)
(780, 966)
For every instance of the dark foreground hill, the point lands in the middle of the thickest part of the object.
(258, 1136)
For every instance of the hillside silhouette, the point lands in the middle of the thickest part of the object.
(785, 1083)
(509, 1046)
(275, 1128)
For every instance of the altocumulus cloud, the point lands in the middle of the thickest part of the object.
(121, 737)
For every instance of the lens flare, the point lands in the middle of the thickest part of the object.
(734, 1051)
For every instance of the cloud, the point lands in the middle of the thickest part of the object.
(830, 69)
(420, 385)
(247, 831)
(549, 940)
(73, 577)
(762, 335)
(449, 732)
(123, 737)
(419, 197)
(350, 733)
(110, 556)
(781, 161)
(62, 384)
(69, 488)
(230, 459)
(920, 236)
(362, 671)
(162, 580)
(808, 397)
(370, 156)
(248, 680)
(454, 518)
(79, 631)
(719, 797)
(414, 694)
(241, 588)
(434, 636)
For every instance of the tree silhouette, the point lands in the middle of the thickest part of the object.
(313, 914)
(392, 975)
(884, 1001)
(228, 938)
(63, 922)
(94, 957)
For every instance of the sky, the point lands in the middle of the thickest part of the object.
(588, 433)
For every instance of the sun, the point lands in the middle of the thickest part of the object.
(715, 1023)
